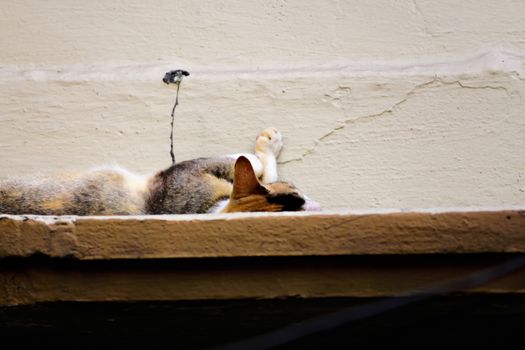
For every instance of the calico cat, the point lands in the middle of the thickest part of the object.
(245, 182)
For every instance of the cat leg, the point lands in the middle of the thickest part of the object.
(267, 148)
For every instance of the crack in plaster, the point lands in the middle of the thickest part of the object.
(435, 81)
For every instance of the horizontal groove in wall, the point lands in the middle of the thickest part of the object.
(492, 60)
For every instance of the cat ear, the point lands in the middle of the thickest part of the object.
(245, 182)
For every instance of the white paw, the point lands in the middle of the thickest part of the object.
(269, 140)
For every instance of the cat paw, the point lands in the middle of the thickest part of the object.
(269, 141)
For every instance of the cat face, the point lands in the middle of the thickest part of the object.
(250, 195)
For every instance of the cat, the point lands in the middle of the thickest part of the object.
(235, 183)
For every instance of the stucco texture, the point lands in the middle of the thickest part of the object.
(396, 104)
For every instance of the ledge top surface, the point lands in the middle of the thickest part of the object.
(356, 232)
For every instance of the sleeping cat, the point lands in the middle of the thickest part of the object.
(246, 182)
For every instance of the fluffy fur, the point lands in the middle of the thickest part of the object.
(226, 184)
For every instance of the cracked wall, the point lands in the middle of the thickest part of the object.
(405, 104)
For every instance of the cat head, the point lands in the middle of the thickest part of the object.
(250, 195)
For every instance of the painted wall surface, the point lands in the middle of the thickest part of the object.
(382, 103)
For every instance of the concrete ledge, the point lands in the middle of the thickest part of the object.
(253, 256)
(286, 234)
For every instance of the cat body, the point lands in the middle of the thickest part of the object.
(245, 182)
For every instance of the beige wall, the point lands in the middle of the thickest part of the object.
(382, 103)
